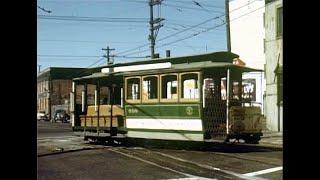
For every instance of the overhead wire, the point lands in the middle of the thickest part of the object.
(191, 8)
(126, 56)
(209, 29)
(216, 17)
(196, 34)
(204, 4)
(93, 19)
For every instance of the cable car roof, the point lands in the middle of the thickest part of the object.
(177, 64)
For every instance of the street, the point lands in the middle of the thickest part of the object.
(48, 129)
(61, 155)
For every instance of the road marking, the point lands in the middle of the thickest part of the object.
(266, 171)
(243, 176)
(157, 165)
(63, 140)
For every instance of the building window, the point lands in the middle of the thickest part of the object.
(279, 22)
(133, 89)
(150, 88)
(190, 86)
(169, 87)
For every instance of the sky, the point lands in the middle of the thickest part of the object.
(75, 31)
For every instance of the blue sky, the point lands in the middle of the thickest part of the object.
(69, 43)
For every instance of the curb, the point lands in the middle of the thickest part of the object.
(67, 151)
(272, 136)
(268, 146)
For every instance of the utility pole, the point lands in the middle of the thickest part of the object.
(155, 25)
(108, 54)
(228, 25)
(39, 68)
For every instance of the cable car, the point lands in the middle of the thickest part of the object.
(190, 98)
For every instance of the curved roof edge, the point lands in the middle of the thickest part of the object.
(220, 56)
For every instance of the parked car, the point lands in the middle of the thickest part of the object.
(42, 116)
(61, 115)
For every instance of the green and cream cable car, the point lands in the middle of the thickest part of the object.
(193, 98)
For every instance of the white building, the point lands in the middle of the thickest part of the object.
(273, 70)
(247, 35)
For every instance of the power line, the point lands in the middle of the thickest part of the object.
(87, 17)
(184, 2)
(96, 62)
(209, 28)
(66, 60)
(191, 8)
(80, 41)
(43, 9)
(196, 34)
(47, 55)
(87, 1)
(191, 27)
(132, 49)
(147, 56)
(93, 19)
(171, 35)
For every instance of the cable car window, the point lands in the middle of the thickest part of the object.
(79, 89)
(104, 95)
(235, 90)
(91, 94)
(189, 86)
(224, 88)
(150, 88)
(169, 87)
(133, 89)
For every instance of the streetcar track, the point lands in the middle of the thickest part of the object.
(222, 173)
(247, 159)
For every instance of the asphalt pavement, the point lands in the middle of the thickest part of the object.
(57, 129)
(62, 155)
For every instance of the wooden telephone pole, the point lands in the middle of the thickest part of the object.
(155, 25)
(108, 54)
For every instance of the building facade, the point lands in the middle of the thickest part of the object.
(274, 62)
(247, 35)
(54, 85)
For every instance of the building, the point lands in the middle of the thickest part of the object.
(54, 85)
(273, 69)
(247, 35)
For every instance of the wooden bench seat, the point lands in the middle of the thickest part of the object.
(91, 118)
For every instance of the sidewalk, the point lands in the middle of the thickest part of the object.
(271, 139)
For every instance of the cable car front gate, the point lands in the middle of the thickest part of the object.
(216, 98)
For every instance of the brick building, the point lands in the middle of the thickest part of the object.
(54, 85)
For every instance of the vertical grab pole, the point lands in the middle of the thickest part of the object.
(228, 97)
(121, 97)
(97, 102)
(95, 107)
(72, 104)
(82, 101)
(111, 110)
(82, 110)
